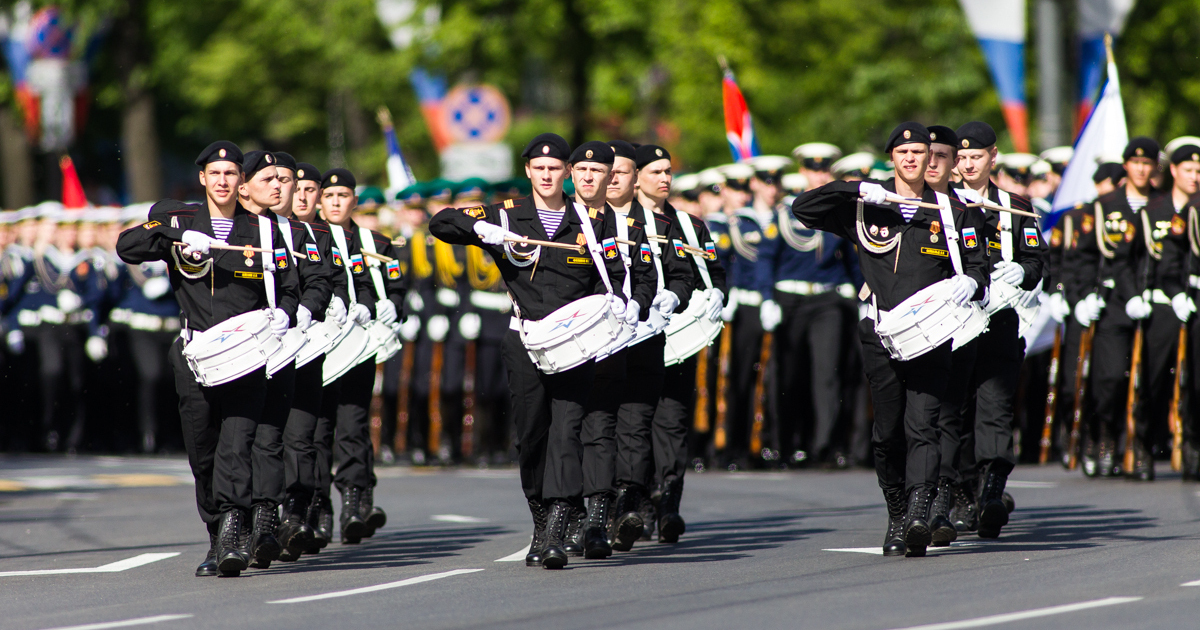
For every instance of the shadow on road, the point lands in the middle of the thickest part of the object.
(1064, 527)
(390, 549)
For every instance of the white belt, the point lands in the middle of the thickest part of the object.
(514, 323)
(491, 301)
(48, 315)
(1194, 282)
(743, 296)
(802, 287)
(143, 321)
(447, 297)
(872, 312)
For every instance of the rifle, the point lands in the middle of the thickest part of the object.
(1135, 368)
(376, 410)
(1082, 366)
(433, 441)
(468, 419)
(700, 422)
(1051, 396)
(1176, 417)
(760, 386)
(400, 443)
(722, 383)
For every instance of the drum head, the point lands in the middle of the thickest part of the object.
(565, 322)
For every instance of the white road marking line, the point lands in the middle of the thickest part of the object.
(518, 556)
(878, 551)
(457, 518)
(379, 587)
(1192, 583)
(112, 567)
(1031, 484)
(1028, 614)
(123, 624)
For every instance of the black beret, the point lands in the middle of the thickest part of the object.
(648, 153)
(1109, 170)
(255, 161)
(976, 135)
(907, 133)
(547, 145)
(285, 160)
(306, 171)
(338, 177)
(593, 151)
(220, 151)
(942, 134)
(1186, 153)
(1141, 146)
(623, 149)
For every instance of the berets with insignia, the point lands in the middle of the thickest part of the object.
(648, 153)
(976, 135)
(1141, 147)
(472, 189)
(1109, 170)
(854, 165)
(907, 133)
(255, 161)
(440, 190)
(335, 177)
(285, 160)
(593, 151)
(371, 196)
(737, 176)
(220, 151)
(817, 156)
(623, 149)
(1186, 153)
(413, 196)
(308, 172)
(549, 145)
(942, 134)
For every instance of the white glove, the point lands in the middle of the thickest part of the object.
(632, 311)
(156, 287)
(360, 314)
(1183, 306)
(715, 305)
(970, 195)
(492, 234)
(385, 312)
(872, 193)
(666, 302)
(415, 303)
(1009, 273)
(1058, 307)
(196, 242)
(469, 325)
(96, 348)
(729, 311)
(16, 341)
(337, 312)
(963, 290)
(69, 301)
(303, 318)
(771, 314)
(1032, 297)
(864, 310)
(439, 325)
(410, 327)
(279, 321)
(617, 305)
(1088, 310)
(1137, 308)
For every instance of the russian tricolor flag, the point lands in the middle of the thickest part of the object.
(739, 128)
(999, 25)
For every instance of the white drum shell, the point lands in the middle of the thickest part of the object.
(974, 326)
(231, 349)
(384, 342)
(345, 353)
(925, 321)
(690, 330)
(1001, 296)
(319, 338)
(572, 335)
(291, 343)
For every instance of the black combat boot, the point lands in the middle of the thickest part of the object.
(573, 541)
(670, 524)
(264, 546)
(294, 533)
(897, 505)
(1107, 462)
(557, 517)
(353, 525)
(628, 527)
(917, 533)
(320, 519)
(1143, 463)
(1010, 503)
(231, 558)
(992, 513)
(944, 531)
(538, 511)
(648, 508)
(1091, 455)
(1191, 461)
(595, 534)
(372, 515)
(208, 568)
(964, 516)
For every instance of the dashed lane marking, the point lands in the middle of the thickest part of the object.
(1030, 484)
(992, 620)
(378, 587)
(518, 556)
(94, 482)
(141, 621)
(457, 518)
(878, 551)
(1192, 583)
(112, 567)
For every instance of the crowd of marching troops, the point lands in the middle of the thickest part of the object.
(796, 378)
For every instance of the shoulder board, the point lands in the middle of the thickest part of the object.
(173, 207)
(630, 221)
(593, 213)
(509, 204)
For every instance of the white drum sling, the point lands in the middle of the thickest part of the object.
(353, 339)
(690, 331)
(384, 342)
(293, 340)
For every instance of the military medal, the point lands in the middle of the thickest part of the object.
(883, 231)
(249, 258)
(874, 230)
(195, 255)
(934, 228)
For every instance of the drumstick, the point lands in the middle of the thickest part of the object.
(386, 259)
(237, 248)
(933, 206)
(528, 241)
(996, 208)
(687, 248)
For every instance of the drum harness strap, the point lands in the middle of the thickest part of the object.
(626, 256)
(651, 233)
(339, 240)
(689, 233)
(368, 245)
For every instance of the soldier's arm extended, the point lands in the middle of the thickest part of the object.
(825, 208)
(154, 239)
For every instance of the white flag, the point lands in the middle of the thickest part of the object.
(1103, 139)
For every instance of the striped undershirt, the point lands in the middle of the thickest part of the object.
(908, 212)
(551, 219)
(222, 228)
(1137, 203)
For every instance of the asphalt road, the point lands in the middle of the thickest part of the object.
(762, 550)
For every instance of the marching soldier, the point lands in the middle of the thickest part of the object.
(212, 285)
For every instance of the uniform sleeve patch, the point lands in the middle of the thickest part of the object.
(477, 212)
(610, 248)
(970, 238)
(310, 250)
(1178, 225)
(711, 250)
(281, 258)
(645, 253)
(1056, 237)
(679, 251)
(356, 263)
(150, 225)
(337, 259)
(1032, 238)
(393, 269)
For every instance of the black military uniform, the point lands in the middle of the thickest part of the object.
(1064, 288)
(219, 423)
(899, 258)
(548, 409)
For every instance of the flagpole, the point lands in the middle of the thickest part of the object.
(1108, 49)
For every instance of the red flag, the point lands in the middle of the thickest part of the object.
(739, 128)
(72, 190)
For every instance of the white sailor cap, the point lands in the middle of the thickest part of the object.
(1058, 155)
(685, 183)
(8, 217)
(795, 182)
(710, 178)
(739, 170)
(1017, 162)
(139, 212)
(817, 155)
(106, 214)
(1180, 141)
(72, 215)
(860, 163)
(1040, 168)
(769, 163)
(50, 210)
(27, 213)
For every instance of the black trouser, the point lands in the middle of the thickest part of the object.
(672, 419)
(391, 397)
(1159, 348)
(454, 355)
(548, 412)
(219, 424)
(268, 439)
(808, 350)
(343, 431)
(60, 370)
(418, 388)
(599, 432)
(299, 448)
(149, 352)
(907, 397)
(491, 386)
(950, 415)
(987, 428)
(744, 354)
(1108, 384)
(635, 418)
(1191, 392)
(1068, 364)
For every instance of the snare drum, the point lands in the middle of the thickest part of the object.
(572, 335)
(319, 338)
(1002, 295)
(384, 342)
(289, 347)
(926, 320)
(231, 349)
(345, 353)
(690, 330)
